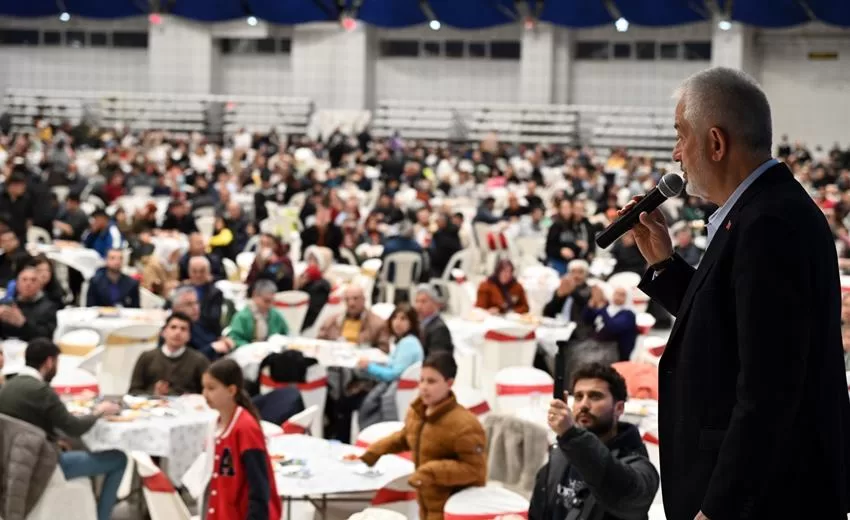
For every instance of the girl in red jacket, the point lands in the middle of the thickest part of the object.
(242, 485)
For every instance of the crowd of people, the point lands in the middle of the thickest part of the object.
(349, 193)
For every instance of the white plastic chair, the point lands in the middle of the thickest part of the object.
(37, 235)
(406, 272)
(408, 388)
(507, 346)
(383, 310)
(522, 387)
(149, 300)
(74, 381)
(484, 502)
(374, 513)
(376, 432)
(293, 305)
(122, 349)
(205, 225)
(270, 429)
(645, 322)
(250, 246)
(314, 391)
(301, 422)
(244, 261)
(230, 269)
(163, 501)
(473, 400)
(78, 342)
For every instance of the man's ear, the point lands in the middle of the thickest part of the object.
(619, 408)
(718, 144)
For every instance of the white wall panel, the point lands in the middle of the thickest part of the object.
(259, 74)
(810, 100)
(442, 79)
(68, 68)
(630, 83)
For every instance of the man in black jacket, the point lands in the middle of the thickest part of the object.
(435, 335)
(109, 287)
(209, 296)
(599, 468)
(754, 414)
(32, 314)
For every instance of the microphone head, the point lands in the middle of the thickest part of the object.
(671, 185)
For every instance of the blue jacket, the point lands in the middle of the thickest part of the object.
(103, 293)
(407, 352)
(102, 242)
(621, 328)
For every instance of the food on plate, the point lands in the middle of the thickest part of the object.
(125, 416)
(277, 456)
(530, 319)
(350, 457)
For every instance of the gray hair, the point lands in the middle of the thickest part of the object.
(201, 259)
(264, 287)
(732, 100)
(180, 292)
(430, 292)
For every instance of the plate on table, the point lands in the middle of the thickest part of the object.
(109, 312)
(125, 416)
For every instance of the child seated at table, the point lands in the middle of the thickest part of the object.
(243, 484)
(447, 441)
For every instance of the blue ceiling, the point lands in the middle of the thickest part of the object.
(464, 14)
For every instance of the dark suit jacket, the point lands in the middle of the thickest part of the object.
(754, 415)
(100, 295)
(211, 305)
(436, 336)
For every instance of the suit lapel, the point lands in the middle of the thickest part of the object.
(776, 174)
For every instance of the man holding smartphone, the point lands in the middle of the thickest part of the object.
(599, 468)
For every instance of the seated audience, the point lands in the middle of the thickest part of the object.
(197, 247)
(28, 397)
(13, 258)
(161, 270)
(172, 369)
(447, 438)
(444, 244)
(614, 322)
(49, 284)
(272, 263)
(562, 240)
(31, 314)
(627, 256)
(599, 467)
(210, 297)
(434, 333)
(71, 221)
(103, 234)
(379, 404)
(312, 282)
(570, 299)
(258, 319)
(207, 342)
(109, 287)
(501, 293)
(356, 324)
(323, 232)
(179, 218)
(686, 248)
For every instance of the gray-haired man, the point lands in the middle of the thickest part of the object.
(434, 334)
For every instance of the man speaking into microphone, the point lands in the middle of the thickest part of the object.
(754, 413)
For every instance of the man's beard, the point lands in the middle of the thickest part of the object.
(599, 425)
(48, 377)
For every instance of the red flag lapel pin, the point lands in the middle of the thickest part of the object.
(728, 225)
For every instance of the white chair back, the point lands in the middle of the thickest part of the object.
(270, 429)
(376, 432)
(293, 305)
(408, 388)
(149, 300)
(484, 502)
(343, 273)
(348, 256)
(645, 322)
(379, 512)
(407, 268)
(384, 310)
(522, 387)
(244, 261)
(122, 348)
(206, 211)
(510, 345)
(74, 381)
(251, 245)
(78, 342)
(302, 421)
(91, 362)
(37, 235)
(314, 391)
(473, 400)
(205, 225)
(163, 501)
(231, 270)
(649, 349)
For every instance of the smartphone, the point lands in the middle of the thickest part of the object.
(560, 369)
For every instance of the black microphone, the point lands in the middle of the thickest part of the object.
(669, 186)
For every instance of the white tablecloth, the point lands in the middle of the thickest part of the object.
(469, 332)
(73, 318)
(328, 473)
(327, 353)
(180, 440)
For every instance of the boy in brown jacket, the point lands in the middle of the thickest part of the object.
(447, 441)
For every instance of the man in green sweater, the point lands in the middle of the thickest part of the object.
(258, 319)
(29, 397)
(174, 368)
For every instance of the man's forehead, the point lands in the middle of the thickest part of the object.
(590, 385)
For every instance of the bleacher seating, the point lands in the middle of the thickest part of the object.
(259, 114)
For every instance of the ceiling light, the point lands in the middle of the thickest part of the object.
(435, 25)
(349, 23)
(724, 25)
(252, 20)
(622, 24)
(65, 16)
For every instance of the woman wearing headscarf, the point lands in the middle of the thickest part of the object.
(272, 263)
(613, 322)
(161, 270)
(501, 293)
